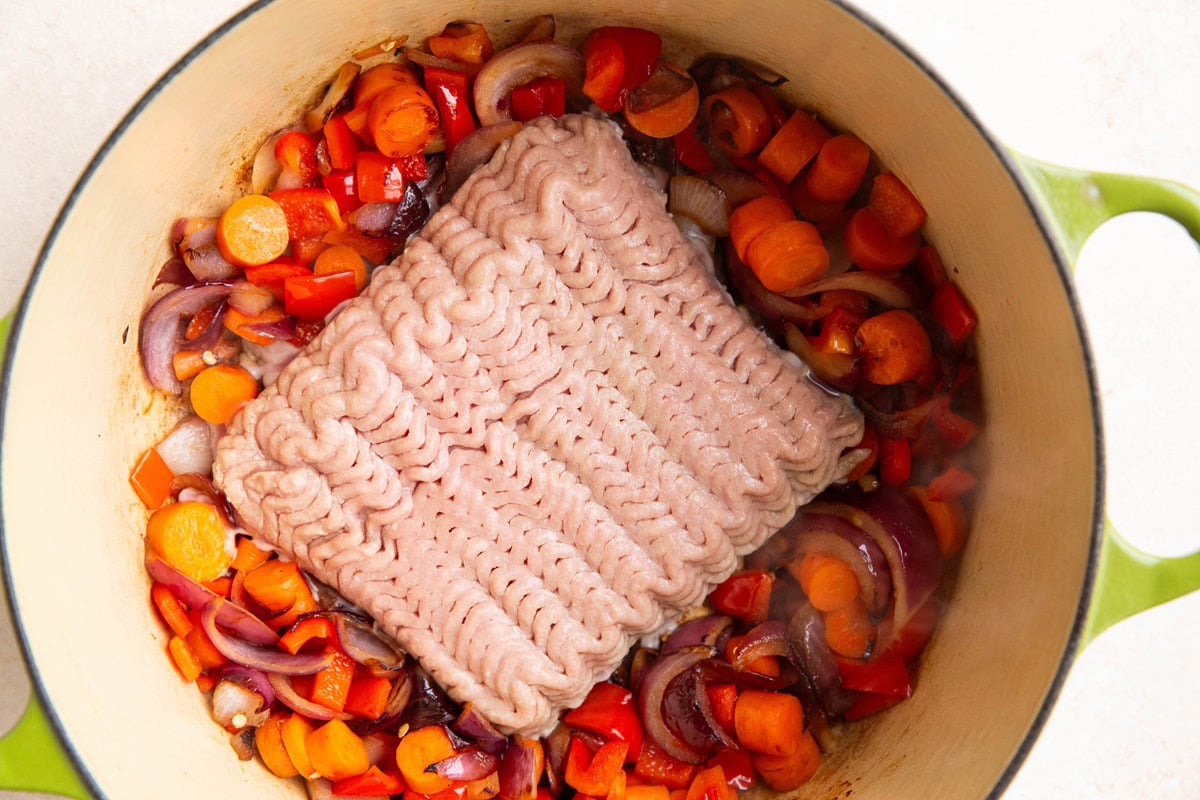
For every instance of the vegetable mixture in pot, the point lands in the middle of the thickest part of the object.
(825, 618)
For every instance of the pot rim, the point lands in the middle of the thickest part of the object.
(1040, 214)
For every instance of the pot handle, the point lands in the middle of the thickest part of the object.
(1128, 580)
(32, 759)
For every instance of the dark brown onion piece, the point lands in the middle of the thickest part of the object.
(719, 669)
(358, 638)
(709, 630)
(652, 692)
(837, 370)
(428, 703)
(556, 744)
(518, 65)
(816, 661)
(688, 713)
(160, 332)
(174, 273)
(475, 150)
(266, 659)
(411, 213)
(664, 85)
(231, 617)
(474, 727)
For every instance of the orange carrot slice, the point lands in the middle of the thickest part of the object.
(788, 772)
(838, 169)
(768, 722)
(664, 104)
(787, 255)
(894, 346)
(220, 391)
(253, 230)
(896, 206)
(416, 754)
(336, 751)
(190, 536)
(793, 146)
(737, 120)
(750, 219)
(402, 120)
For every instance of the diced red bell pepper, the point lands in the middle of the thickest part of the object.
(544, 96)
(917, 633)
(885, 674)
(151, 478)
(332, 684)
(450, 89)
(953, 482)
(311, 297)
(306, 331)
(655, 765)
(271, 276)
(929, 269)
(956, 430)
(378, 178)
(950, 308)
(372, 783)
(609, 711)
(593, 773)
(297, 151)
(413, 167)
(690, 151)
(737, 766)
(340, 143)
(722, 697)
(610, 73)
(375, 249)
(745, 595)
(710, 784)
(838, 330)
(341, 185)
(368, 695)
(895, 461)
(868, 704)
(310, 212)
(306, 631)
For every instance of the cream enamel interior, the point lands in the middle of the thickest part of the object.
(73, 528)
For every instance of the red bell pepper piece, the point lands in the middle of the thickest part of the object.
(375, 249)
(308, 630)
(952, 483)
(722, 697)
(340, 143)
(306, 331)
(332, 684)
(655, 765)
(450, 89)
(368, 695)
(297, 151)
(341, 185)
(745, 595)
(311, 297)
(372, 783)
(737, 766)
(838, 330)
(885, 674)
(593, 773)
(610, 73)
(609, 710)
(895, 461)
(467, 42)
(690, 151)
(929, 269)
(917, 633)
(151, 478)
(378, 178)
(867, 704)
(545, 96)
(956, 430)
(710, 784)
(271, 276)
(310, 212)
(950, 308)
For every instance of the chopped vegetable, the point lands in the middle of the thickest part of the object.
(788, 254)
(336, 751)
(340, 142)
(872, 247)
(609, 711)
(768, 722)
(751, 219)
(450, 90)
(185, 660)
(312, 297)
(848, 631)
(402, 120)
(151, 479)
(220, 391)
(793, 146)
(827, 582)
(191, 537)
(593, 773)
(268, 741)
(253, 230)
(664, 104)
(342, 258)
(416, 755)
(899, 211)
(737, 120)
(280, 587)
(787, 772)
(745, 595)
(838, 169)
(544, 96)
(332, 684)
(895, 347)
(467, 42)
(618, 58)
(171, 610)
(951, 309)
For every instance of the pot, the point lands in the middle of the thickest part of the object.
(1041, 576)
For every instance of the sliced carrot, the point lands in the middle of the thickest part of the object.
(336, 751)
(647, 792)
(190, 536)
(848, 630)
(253, 230)
(151, 479)
(248, 555)
(402, 120)
(342, 258)
(664, 104)
(737, 120)
(787, 255)
(205, 683)
(280, 587)
(332, 684)
(750, 219)
(206, 653)
(827, 581)
(768, 722)
(243, 324)
(826, 216)
(788, 772)
(872, 247)
(184, 659)
(294, 732)
(188, 364)
(171, 610)
(894, 346)
(416, 754)
(200, 322)
(838, 169)
(372, 82)
(948, 519)
(220, 391)
(268, 740)
(896, 206)
(793, 146)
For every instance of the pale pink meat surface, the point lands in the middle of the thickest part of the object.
(542, 433)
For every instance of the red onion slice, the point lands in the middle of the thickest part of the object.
(195, 240)
(835, 536)
(518, 65)
(519, 768)
(774, 308)
(888, 290)
(249, 299)
(174, 273)
(739, 187)
(358, 638)
(297, 702)
(806, 629)
(229, 616)
(652, 691)
(701, 201)
(718, 669)
(159, 335)
(338, 87)
(252, 679)
(423, 59)
(251, 655)
(475, 150)
(468, 764)
(474, 727)
(236, 707)
(709, 630)
(765, 639)
(188, 447)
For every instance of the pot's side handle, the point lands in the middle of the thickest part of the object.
(1128, 580)
(31, 757)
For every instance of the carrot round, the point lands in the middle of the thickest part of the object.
(788, 772)
(268, 740)
(872, 247)
(848, 630)
(190, 536)
(664, 104)
(793, 146)
(279, 586)
(171, 610)
(249, 555)
(894, 346)
(336, 751)
(294, 732)
(752, 218)
(737, 120)
(788, 254)
(827, 581)
(220, 391)
(896, 206)
(184, 659)
(402, 120)
(253, 230)
(342, 258)
(838, 169)
(768, 722)
(373, 81)
(417, 752)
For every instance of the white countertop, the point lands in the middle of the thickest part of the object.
(1099, 84)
